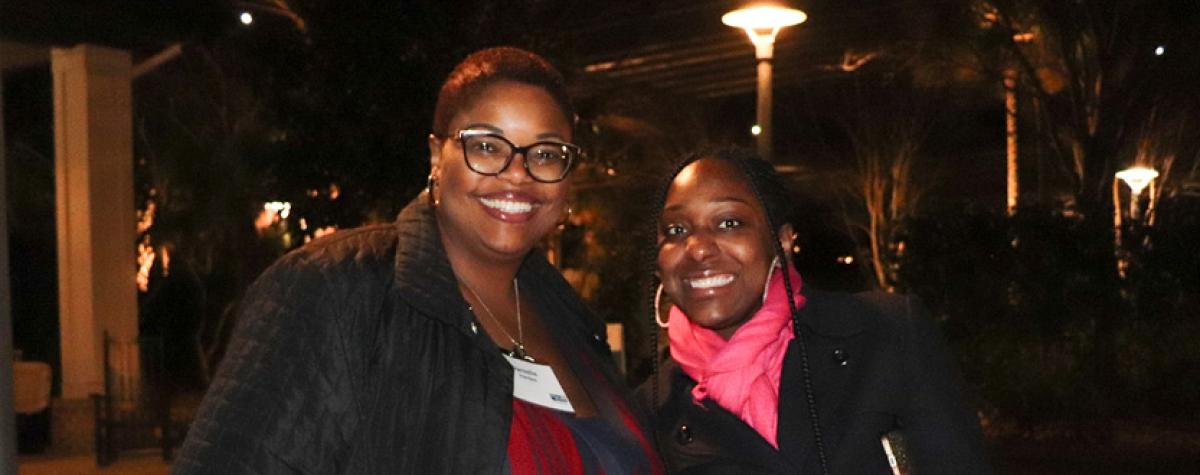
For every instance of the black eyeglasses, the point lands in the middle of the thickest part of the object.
(490, 154)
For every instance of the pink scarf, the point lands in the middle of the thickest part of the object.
(743, 373)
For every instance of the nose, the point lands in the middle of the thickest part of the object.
(700, 247)
(516, 172)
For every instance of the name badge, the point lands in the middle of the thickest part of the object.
(536, 383)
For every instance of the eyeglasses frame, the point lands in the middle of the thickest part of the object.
(463, 135)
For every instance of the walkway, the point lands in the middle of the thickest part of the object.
(148, 462)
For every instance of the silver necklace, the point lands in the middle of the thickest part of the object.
(518, 350)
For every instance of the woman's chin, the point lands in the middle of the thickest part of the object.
(515, 247)
(716, 319)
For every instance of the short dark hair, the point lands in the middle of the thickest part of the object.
(486, 67)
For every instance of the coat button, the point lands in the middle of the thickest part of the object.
(840, 356)
(683, 435)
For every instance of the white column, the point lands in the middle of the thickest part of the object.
(93, 144)
(765, 147)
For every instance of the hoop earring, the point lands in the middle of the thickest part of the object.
(430, 183)
(657, 306)
(770, 274)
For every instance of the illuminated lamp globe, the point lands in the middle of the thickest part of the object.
(762, 23)
(764, 17)
(1137, 178)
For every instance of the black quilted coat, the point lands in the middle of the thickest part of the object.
(878, 365)
(356, 354)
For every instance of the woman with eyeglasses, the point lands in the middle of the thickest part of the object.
(441, 343)
(766, 375)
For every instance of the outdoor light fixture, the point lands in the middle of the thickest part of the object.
(762, 23)
(1160, 50)
(1137, 178)
(755, 130)
(246, 18)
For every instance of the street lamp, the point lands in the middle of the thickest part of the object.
(762, 23)
(1137, 178)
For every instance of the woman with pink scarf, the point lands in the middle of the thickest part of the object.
(768, 376)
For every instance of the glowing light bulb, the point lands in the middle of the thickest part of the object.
(755, 130)
(246, 18)
(764, 17)
(1137, 178)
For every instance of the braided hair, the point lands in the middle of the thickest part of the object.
(773, 194)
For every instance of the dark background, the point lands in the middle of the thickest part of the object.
(898, 164)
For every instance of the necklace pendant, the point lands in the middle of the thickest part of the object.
(518, 352)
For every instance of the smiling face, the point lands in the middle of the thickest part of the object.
(715, 248)
(500, 217)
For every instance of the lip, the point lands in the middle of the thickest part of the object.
(509, 206)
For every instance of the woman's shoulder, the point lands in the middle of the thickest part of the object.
(360, 246)
(848, 312)
(372, 246)
(324, 270)
(869, 300)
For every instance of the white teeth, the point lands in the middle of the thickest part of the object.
(710, 282)
(508, 207)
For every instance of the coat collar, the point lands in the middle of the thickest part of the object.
(833, 314)
(714, 427)
(423, 273)
(422, 269)
(830, 318)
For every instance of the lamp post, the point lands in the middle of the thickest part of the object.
(1010, 127)
(1137, 178)
(1011, 78)
(762, 23)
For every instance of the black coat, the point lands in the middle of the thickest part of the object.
(877, 364)
(357, 354)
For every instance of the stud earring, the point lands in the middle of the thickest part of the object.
(658, 306)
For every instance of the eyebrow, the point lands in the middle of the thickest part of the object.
(488, 127)
(723, 199)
